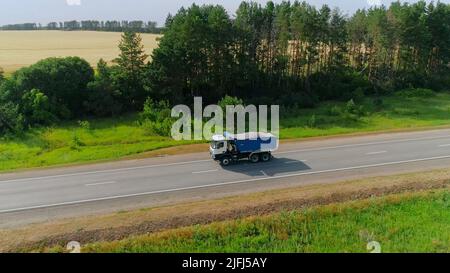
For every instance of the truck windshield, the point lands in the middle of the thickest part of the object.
(217, 145)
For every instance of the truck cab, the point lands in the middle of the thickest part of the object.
(218, 146)
(255, 147)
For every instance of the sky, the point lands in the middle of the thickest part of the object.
(44, 11)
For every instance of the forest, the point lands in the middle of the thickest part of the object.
(292, 54)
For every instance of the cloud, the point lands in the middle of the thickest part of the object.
(73, 2)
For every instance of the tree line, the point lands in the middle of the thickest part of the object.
(296, 53)
(292, 54)
(92, 25)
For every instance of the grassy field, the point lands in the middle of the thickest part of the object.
(23, 48)
(72, 143)
(414, 222)
(112, 139)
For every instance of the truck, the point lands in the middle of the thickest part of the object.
(253, 146)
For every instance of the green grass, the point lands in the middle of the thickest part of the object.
(414, 222)
(109, 139)
(396, 113)
(71, 143)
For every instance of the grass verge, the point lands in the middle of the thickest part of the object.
(413, 222)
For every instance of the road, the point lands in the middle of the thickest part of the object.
(46, 194)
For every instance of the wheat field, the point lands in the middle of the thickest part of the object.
(23, 48)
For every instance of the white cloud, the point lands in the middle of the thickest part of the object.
(73, 2)
(374, 2)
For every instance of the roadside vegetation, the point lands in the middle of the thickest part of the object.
(414, 222)
(379, 69)
(114, 138)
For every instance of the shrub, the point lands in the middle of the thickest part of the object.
(103, 99)
(312, 122)
(11, 121)
(156, 117)
(227, 100)
(36, 108)
(63, 80)
(416, 93)
(84, 124)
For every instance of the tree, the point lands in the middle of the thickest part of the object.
(63, 80)
(36, 108)
(11, 121)
(104, 97)
(131, 70)
(194, 56)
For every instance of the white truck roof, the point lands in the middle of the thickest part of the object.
(250, 135)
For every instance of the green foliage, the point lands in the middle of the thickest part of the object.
(11, 121)
(104, 99)
(85, 124)
(130, 74)
(62, 80)
(229, 101)
(156, 118)
(36, 108)
(416, 93)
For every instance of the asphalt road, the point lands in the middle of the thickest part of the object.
(44, 194)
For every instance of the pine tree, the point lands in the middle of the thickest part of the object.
(131, 70)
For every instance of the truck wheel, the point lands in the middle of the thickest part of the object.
(254, 158)
(266, 157)
(225, 161)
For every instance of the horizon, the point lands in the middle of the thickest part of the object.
(25, 11)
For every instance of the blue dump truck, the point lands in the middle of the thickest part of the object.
(256, 147)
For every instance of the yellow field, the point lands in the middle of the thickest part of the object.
(23, 48)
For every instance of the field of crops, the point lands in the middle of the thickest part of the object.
(23, 48)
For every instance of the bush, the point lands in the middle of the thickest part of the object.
(63, 80)
(155, 111)
(86, 125)
(156, 117)
(378, 103)
(36, 108)
(232, 101)
(160, 128)
(104, 98)
(11, 121)
(416, 93)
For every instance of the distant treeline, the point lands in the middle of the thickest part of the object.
(93, 25)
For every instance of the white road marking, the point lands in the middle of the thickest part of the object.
(377, 153)
(264, 173)
(295, 162)
(444, 145)
(208, 160)
(210, 171)
(104, 171)
(362, 144)
(222, 184)
(101, 183)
